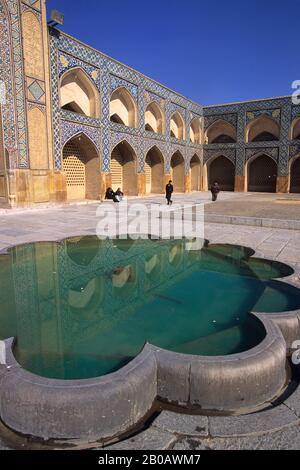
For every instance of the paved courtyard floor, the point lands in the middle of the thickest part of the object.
(274, 206)
(171, 430)
(18, 227)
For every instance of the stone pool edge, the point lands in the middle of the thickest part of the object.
(94, 415)
(104, 408)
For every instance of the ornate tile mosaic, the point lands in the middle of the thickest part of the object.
(70, 129)
(277, 108)
(209, 120)
(14, 116)
(108, 74)
(116, 82)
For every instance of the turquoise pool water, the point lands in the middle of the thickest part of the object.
(83, 308)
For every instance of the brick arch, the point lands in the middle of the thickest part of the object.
(81, 165)
(261, 173)
(294, 174)
(295, 129)
(78, 93)
(195, 131)
(262, 128)
(8, 118)
(161, 148)
(177, 126)
(192, 153)
(124, 168)
(195, 172)
(177, 165)
(154, 118)
(70, 130)
(123, 107)
(154, 171)
(220, 131)
(219, 168)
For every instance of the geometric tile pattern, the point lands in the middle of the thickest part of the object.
(273, 113)
(209, 120)
(68, 52)
(272, 152)
(65, 53)
(36, 90)
(19, 85)
(14, 117)
(70, 129)
(116, 82)
(229, 153)
(67, 62)
(107, 74)
(277, 108)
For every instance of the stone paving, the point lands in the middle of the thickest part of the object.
(270, 206)
(277, 428)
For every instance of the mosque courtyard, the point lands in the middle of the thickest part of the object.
(267, 224)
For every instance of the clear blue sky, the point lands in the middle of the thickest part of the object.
(210, 51)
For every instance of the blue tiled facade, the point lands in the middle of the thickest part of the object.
(113, 75)
(107, 74)
(67, 53)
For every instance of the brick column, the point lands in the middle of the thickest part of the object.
(187, 183)
(282, 184)
(239, 184)
(141, 183)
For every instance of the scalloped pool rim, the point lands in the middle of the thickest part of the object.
(101, 409)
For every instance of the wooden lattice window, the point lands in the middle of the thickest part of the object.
(116, 168)
(73, 165)
(148, 174)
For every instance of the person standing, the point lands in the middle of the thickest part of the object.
(169, 192)
(215, 190)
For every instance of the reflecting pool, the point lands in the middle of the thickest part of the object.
(84, 307)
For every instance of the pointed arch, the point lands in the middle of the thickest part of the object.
(154, 118)
(295, 174)
(81, 165)
(220, 169)
(295, 129)
(3, 164)
(178, 172)
(262, 129)
(195, 131)
(220, 132)
(195, 165)
(32, 40)
(78, 93)
(123, 108)
(123, 168)
(261, 174)
(155, 171)
(11, 124)
(2, 148)
(177, 126)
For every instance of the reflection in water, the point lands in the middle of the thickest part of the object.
(84, 307)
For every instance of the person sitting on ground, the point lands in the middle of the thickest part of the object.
(119, 194)
(110, 195)
(215, 190)
(169, 192)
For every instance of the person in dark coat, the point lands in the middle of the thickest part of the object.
(169, 192)
(119, 194)
(110, 195)
(215, 190)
